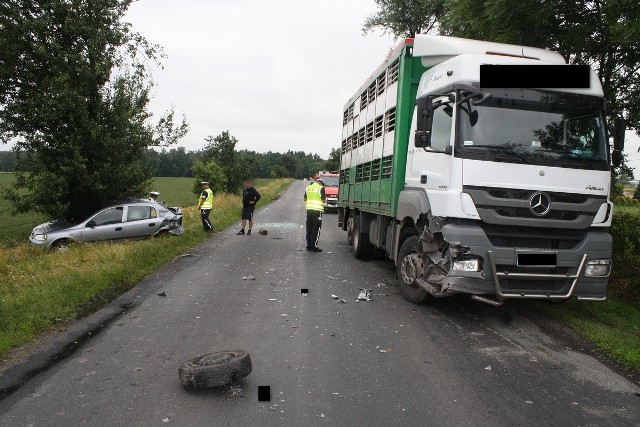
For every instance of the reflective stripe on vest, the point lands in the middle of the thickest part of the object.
(208, 202)
(314, 199)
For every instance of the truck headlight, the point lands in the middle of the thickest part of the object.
(598, 268)
(466, 265)
(39, 237)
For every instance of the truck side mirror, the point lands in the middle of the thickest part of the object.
(422, 139)
(619, 128)
(424, 114)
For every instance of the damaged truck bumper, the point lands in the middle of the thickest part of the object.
(541, 267)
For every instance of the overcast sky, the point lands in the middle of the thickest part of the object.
(276, 74)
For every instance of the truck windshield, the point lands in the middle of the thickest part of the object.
(330, 181)
(536, 128)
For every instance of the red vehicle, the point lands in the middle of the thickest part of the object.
(331, 184)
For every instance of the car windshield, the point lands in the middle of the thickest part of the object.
(330, 181)
(536, 128)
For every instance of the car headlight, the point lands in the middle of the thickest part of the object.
(598, 268)
(40, 237)
(466, 265)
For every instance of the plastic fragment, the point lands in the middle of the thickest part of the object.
(488, 368)
(365, 295)
(162, 294)
(166, 420)
(334, 296)
(386, 350)
(273, 299)
(343, 301)
(263, 231)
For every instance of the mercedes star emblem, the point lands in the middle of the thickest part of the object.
(540, 203)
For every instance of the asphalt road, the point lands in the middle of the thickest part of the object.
(384, 362)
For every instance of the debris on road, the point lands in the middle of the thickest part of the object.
(329, 252)
(333, 334)
(165, 420)
(273, 299)
(283, 315)
(386, 350)
(343, 301)
(263, 231)
(162, 294)
(365, 295)
(334, 296)
(248, 278)
(488, 368)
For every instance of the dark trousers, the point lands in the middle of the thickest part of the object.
(314, 223)
(204, 214)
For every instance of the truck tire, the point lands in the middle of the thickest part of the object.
(409, 267)
(350, 230)
(362, 248)
(215, 369)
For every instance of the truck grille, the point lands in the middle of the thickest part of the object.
(509, 206)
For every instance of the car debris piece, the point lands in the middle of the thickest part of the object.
(488, 368)
(386, 350)
(248, 278)
(263, 231)
(162, 294)
(273, 299)
(334, 296)
(365, 295)
(343, 301)
(215, 369)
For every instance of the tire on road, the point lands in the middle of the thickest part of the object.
(362, 248)
(411, 265)
(215, 369)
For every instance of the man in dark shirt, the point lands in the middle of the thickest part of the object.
(250, 197)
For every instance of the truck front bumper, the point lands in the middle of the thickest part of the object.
(502, 274)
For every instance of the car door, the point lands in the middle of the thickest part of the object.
(105, 225)
(141, 221)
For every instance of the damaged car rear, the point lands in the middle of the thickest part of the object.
(133, 219)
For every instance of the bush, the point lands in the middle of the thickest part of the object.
(625, 230)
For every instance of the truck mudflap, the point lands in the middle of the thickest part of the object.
(501, 275)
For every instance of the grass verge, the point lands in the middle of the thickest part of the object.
(40, 289)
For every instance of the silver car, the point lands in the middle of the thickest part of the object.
(131, 220)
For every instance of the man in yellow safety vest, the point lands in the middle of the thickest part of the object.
(314, 198)
(205, 204)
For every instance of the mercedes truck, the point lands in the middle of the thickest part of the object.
(495, 192)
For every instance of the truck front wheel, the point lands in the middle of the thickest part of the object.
(410, 266)
(362, 248)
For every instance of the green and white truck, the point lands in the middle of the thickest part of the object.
(497, 193)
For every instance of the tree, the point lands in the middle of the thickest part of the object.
(210, 172)
(333, 164)
(222, 150)
(405, 18)
(603, 34)
(74, 91)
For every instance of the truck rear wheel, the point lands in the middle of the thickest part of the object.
(350, 230)
(362, 248)
(410, 266)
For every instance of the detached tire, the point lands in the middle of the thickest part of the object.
(362, 248)
(215, 369)
(411, 265)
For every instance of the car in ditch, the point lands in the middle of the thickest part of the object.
(132, 219)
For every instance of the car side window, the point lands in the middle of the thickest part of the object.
(109, 216)
(138, 213)
(441, 128)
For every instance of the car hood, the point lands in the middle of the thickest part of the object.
(51, 226)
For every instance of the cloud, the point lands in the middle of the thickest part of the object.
(275, 74)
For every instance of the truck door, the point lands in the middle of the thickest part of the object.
(430, 166)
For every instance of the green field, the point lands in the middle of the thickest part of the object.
(15, 228)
